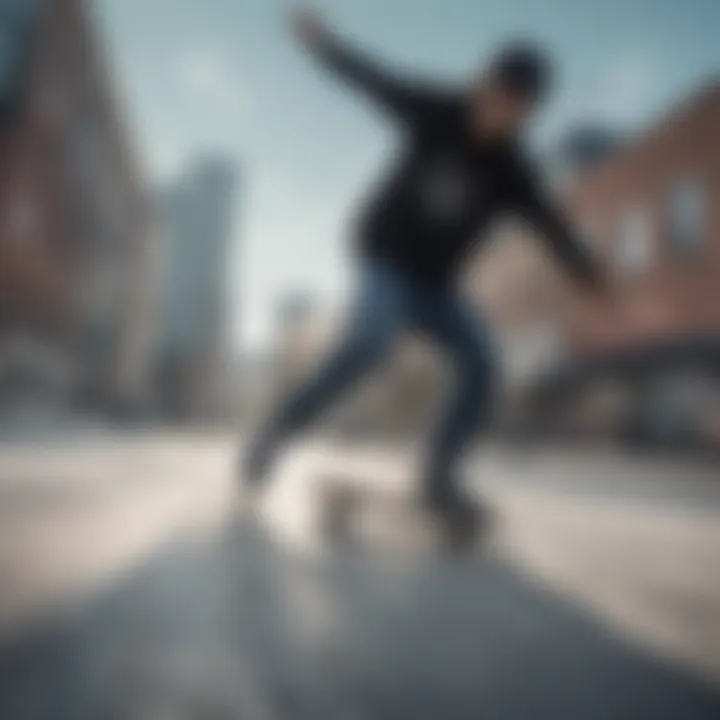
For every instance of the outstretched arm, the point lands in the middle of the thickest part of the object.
(398, 97)
(605, 317)
(542, 214)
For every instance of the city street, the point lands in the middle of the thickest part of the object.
(133, 585)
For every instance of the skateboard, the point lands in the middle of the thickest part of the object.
(351, 513)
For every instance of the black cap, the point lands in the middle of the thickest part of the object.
(523, 68)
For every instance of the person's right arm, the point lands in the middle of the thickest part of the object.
(397, 97)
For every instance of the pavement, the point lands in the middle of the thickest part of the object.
(133, 585)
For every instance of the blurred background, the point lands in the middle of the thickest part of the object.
(176, 188)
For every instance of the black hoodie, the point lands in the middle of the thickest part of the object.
(445, 188)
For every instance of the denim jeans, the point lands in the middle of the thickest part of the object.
(386, 304)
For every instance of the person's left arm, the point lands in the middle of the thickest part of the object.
(602, 308)
(542, 213)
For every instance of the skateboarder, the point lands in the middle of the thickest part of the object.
(461, 166)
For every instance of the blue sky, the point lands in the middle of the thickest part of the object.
(221, 75)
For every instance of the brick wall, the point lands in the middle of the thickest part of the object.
(673, 293)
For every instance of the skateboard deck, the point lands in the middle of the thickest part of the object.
(352, 513)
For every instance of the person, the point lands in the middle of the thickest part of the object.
(461, 166)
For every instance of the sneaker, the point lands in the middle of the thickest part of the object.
(463, 520)
(255, 465)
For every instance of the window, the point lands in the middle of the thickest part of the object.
(633, 246)
(687, 216)
(537, 346)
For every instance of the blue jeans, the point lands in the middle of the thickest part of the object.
(387, 304)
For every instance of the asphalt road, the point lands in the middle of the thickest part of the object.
(130, 587)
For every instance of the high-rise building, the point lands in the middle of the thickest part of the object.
(294, 309)
(198, 214)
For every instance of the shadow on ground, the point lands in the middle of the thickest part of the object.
(238, 628)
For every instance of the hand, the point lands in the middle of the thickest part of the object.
(308, 27)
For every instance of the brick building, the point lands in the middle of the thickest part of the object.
(198, 211)
(651, 213)
(78, 254)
